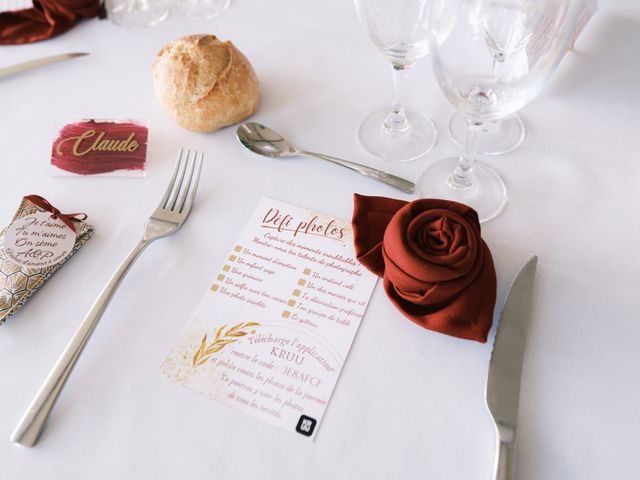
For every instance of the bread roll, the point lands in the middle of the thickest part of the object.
(206, 84)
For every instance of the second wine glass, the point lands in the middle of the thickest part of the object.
(399, 29)
(504, 135)
(201, 9)
(531, 37)
(138, 13)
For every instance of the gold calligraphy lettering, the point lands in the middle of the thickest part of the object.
(100, 144)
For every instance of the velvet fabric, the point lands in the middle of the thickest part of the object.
(436, 268)
(44, 20)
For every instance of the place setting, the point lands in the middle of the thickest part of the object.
(283, 310)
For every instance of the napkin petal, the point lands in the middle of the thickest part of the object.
(467, 315)
(371, 215)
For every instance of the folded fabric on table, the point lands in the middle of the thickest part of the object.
(45, 19)
(437, 270)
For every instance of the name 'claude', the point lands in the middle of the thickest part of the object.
(86, 143)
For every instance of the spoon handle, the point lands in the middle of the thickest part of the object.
(384, 177)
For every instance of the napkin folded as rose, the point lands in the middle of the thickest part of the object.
(44, 20)
(437, 270)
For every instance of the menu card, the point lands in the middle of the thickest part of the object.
(272, 332)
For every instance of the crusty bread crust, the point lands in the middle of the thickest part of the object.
(204, 83)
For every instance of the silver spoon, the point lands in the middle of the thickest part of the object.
(264, 141)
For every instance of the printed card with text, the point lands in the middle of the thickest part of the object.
(272, 333)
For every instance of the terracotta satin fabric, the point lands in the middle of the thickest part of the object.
(44, 20)
(437, 270)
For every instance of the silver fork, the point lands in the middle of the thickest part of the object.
(170, 215)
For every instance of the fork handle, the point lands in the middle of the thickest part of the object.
(33, 421)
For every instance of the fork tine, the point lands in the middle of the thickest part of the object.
(194, 188)
(171, 204)
(187, 184)
(165, 198)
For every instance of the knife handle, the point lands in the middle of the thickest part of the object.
(503, 468)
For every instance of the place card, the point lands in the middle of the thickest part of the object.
(100, 147)
(273, 330)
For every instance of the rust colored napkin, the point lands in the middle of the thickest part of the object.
(44, 20)
(437, 270)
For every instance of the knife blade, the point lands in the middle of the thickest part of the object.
(40, 62)
(505, 367)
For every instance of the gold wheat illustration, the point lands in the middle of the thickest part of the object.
(221, 340)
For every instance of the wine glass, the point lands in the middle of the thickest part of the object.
(138, 13)
(201, 9)
(399, 29)
(533, 35)
(505, 135)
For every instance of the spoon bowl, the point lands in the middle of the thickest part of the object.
(264, 141)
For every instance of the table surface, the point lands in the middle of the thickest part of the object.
(410, 402)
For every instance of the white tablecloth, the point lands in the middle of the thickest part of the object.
(409, 403)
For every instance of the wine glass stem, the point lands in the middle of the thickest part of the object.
(498, 63)
(396, 121)
(462, 176)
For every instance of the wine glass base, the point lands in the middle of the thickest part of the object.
(487, 195)
(397, 147)
(499, 136)
(134, 14)
(201, 9)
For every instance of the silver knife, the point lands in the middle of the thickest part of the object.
(505, 368)
(41, 62)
